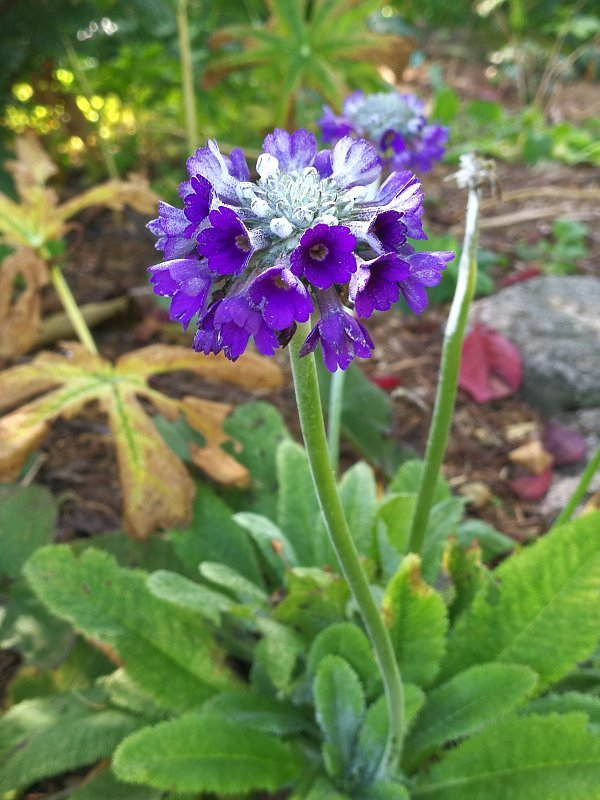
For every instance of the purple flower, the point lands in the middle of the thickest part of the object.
(419, 152)
(375, 285)
(207, 339)
(425, 269)
(293, 151)
(208, 162)
(226, 244)
(281, 297)
(324, 255)
(341, 336)
(354, 162)
(197, 203)
(172, 229)
(333, 127)
(187, 281)
(237, 318)
(237, 166)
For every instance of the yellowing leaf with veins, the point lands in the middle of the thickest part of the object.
(157, 489)
(20, 314)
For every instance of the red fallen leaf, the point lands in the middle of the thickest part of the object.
(565, 445)
(385, 381)
(532, 487)
(490, 367)
(521, 276)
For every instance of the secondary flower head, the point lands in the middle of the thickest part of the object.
(394, 123)
(251, 259)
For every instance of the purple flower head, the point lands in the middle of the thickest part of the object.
(425, 270)
(325, 255)
(342, 337)
(376, 284)
(281, 296)
(237, 318)
(172, 229)
(393, 122)
(250, 258)
(226, 244)
(293, 151)
(187, 281)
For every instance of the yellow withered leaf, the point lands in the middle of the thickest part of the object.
(20, 313)
(157, 489)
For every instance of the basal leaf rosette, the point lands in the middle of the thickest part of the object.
(250, 259)
(394, 122)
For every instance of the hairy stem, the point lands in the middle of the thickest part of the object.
(581, 488)
(72, 309)
(334, 416)
(313, 430)
(443, 409)
(187, 76)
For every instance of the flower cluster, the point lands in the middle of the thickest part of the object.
(394, 122)
(252, 259)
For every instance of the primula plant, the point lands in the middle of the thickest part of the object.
(255, 259)
(396, 125)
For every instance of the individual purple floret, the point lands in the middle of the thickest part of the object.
(251, 259)
(394, 123)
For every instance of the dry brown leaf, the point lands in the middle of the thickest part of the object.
(520, 430)
(20, 305)
(157, 490)
(476, 493)
(532, 457)
(33, 167)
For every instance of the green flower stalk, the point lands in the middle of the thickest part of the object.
(313, 431)
(580, 490)
(472, 174)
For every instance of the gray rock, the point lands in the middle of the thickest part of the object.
(555, 322)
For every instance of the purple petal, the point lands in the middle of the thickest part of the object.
(333, 127)
(171, 228)
(293, 151)
(210, 164)
(354, 163)
(282, 298)
(226, 244)
(237, 165)
(324, 255)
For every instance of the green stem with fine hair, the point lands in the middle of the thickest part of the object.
(308, 400)
(443, 409)
(187, 76)
(334, 416)
(580, 490)
(72, 309)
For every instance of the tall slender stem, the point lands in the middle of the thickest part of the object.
(72, 309)
(109, 159)
(313, 430)
(443, 409)
(187, 76)
(334, 416)
(581, 488)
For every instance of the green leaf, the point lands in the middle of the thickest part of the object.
(546, 614)
(565, 703)
(340, 708)
(227, 578)
(166, 650)
(180, 591)
(408, 478)
(201, 753)
(395, 513)
(314, 600)
(466, 703)
(348, 641)
(104, 786)
(26, 625)
(49, 736)
(257, 711)
(414, 697)
(383, 790)
(323, 789)
(553, 757)
(277, 552)
(371, 743)
(275, 658)
(443, 521)
(28, 517)
(125, 694)
(259, 429)
(358, 495)
(214, 536)
(492, 542)
(155, 553)
(468, 575)
(298, 507)
(446, 105)
(416, 617)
